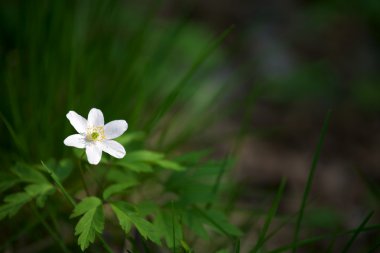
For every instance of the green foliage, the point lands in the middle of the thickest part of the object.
(13, 203)
(117, 188)
(143, 160)
(168, 224)
(91, 222)
(57, 56)
(128, 215)
(37, 188)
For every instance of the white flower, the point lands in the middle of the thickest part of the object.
(96, 137)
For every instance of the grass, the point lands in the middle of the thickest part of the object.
(159, 76)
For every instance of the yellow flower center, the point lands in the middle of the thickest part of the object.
(95, 134)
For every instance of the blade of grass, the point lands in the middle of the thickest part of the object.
(173, 229)
(323, 237)
(170, 99)
(237, 246)
(372, 186)
(374, 248)
(19, 143)
(249, 102)
(310, 178)
(53, 234)
(357, 232)
(271, 214)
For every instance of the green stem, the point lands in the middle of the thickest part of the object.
(310, 179)
(60, 186)
(72, 202)
(82, 175)
(50, 230)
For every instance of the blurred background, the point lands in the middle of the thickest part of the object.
(262, 93)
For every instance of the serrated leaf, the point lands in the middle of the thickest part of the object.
(40, 192)
(91, 223)
(167, 222)
(195, 222)
(116, 188)
(127, 215)
(38, 189)
(28, 174)
(166, 164)
(7, 181)
(86, 205)
(195, 192)
(13, 203)
(220, 223)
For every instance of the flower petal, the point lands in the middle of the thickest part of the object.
(94, 153)
(95, 118)
(115, 128)
(113, 148)
(77, 121)
(75, 140)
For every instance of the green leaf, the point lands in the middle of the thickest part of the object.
(28, 174)
(220, 222)
(191, 158)
(168, 224)
(195, 223)
(166, 164)
(5, 185)
(40, 192)
(127, 215)
(117, 188)
(7, 181)
(144, 156)
(130, 137)
(62, 169)
(196, 192)
(38, 189)
(119, 176)
(86, 205)
(91, 223)
(135, 166)
(13, 203)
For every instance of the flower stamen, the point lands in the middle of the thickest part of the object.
(95, 134)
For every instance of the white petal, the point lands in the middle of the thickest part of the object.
(77, 121)
(115, 128)
(113, 148)
(75, 140)
(95, 118)
(94, 153)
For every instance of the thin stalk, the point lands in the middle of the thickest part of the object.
(50, 230)
(357, 232)
(82, 175)
(60, 186)
(310, 179)
(174, 249)
(272, 212)
(72, 202)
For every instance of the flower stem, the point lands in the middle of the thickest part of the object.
(72, 202)
(55, 236)
(82, 175)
